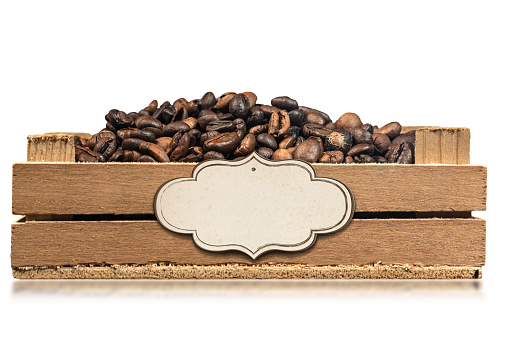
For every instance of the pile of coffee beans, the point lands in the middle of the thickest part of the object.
(234, 125)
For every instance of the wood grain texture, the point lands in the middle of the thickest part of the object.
(439, 145)
(116, 188)
(455, 242)
(51, 147)
(165, 271)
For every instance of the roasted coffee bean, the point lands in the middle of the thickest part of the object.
(213, 155)
(349, 160)
(225, 116)
(252, 98)
(154, 151)
(285, 103)
(106, 146)
(331, 125)
(110, 127)
(132, 144)
(147, 121)
(379, 159)
(258, 129)
(320, 142)
(138, 134)
(164, 143)
(164, 113)
(309, 150)
(349, 121)
(361, 149)
(294, 131)
(392, 130)
(296, 117)
(361, 136)
(257, 117)
(314, 118)
(182, 142)
(152, 107)
(287, 142)
(267, 140)
(131, 156)
(195, 136)
(193, 107)
(77, 141)
(193, 158)
(117, 156)
(381, 142)
(208, 135)
(96, 137)
(174, 127)
(298, 141)
(180, 114)
(191, 121)
(268, 110)
(221, 126)
(402, 153)
(291, 150)
(307, 110)
(315, 130)
(282, 154)
(406, 137)
(364, 159)
(179, 104)
(224, 143)
(341, 140)
(332, 157)
(208, 101)
(84, 154)
(119, 119)
(222, 103)
(206, 118)
(368, 128)
(247, 146)
(240, 127)
(279, 124)
(157, 132)
(120, 134)
(146, 158)
(265, 152)
(239, 106)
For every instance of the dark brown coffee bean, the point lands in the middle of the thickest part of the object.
(191, 121)
(364, 159)
(208, 101)
(294, 131)
(84, 154)
(341, 140)
(282, 154)
(131, 144)
(195, 136)
(256, 130)
(361, 149)
(152, 107)
(147, 121)
(268, 110)
(213, 155)
(106, 146)
(138, 134)
(406, 137)
(193, 158)
(164, 113)
(349, 160)
(146, 158)
(379, 159)
(265, 152)
(224, 143)
(193, 107)
(361, 136)
(208, 135)
(154, 151)
(131, 156)
(119, 119)
(164, 142)
(206, 118)
(182, 141)
(314, 118)
(225, 116)
(117, 156)
(320, 142)
(180, 115)
(381, 142)
(222, 104)
(157, 132)
(247, 146)
(287, 142)
(291, 150)
(257, 117)
(279, 124)
(110, 127)
(315, 130)
(267, 140)
(120, 133)
(309, 150)
(252, 98)
(392, 130)
(307, 110)
(331, 125)
(402, 153)
(96, 137)
(332, 157)
(298, 141)
(179, 104)
(296, 117)
(239, 106)
(285, 103)
(349, 121)
(367, 127)
(221, 126)
(240, 127)
(174, 127)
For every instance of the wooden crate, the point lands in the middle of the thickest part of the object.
(96, 220)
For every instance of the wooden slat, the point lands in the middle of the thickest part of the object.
(455, 242)
(51, 147)
(439, 145)
(116, 188)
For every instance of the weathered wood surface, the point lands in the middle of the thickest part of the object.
(50, 147)
(116, 188)
(441, 145)
(455, 242)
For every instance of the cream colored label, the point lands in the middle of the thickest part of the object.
(254, 205)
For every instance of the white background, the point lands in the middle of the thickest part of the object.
(64, 65)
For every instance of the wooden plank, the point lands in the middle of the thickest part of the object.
(51, 147)
(440, 145)
(116, 188)
(426, 242)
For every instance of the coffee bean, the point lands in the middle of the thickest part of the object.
(208, 101)
(84, 154)
(296, 117)
(349, 121)
(193, 107)
(164, 143)
(381, 142)
(267, 140)
(247, 146)
(132, 144)
(164, 113)
(147, 121)
(146, 158)
(287, 142)
(239, 106)
(154, 151)
(309, 130)
(106, 146)
(117, 156)
(282, 154)
(379, 159)
(309, 150)
(364, 159)
(294, 131)
(206, 118)
(406, 137)
(179, 147)
(314, 118)
(213, 155)
(157, 132)
(332, 157)
(361, 136)
(139, 134)
(222, 103)
(221, 126)
(307, 110)
(285, 103)
(252, 98)
(195, 136)
(174, 127)
(258, 129)
(257, 117)
(131, 156)
(224, 143)
(402, 153)
(119, 119)
(191, 121)
(361, 149)
(349, 160)
(392, 130)
(341, 141)
(265, 152)
(279, 124)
